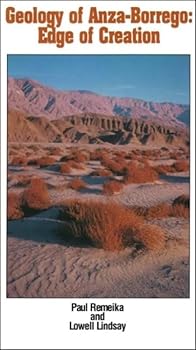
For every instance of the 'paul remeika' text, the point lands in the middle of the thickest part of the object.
(97, 314)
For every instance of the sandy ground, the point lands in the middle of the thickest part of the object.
(41, 264)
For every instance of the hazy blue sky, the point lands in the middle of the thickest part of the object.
(150, 77)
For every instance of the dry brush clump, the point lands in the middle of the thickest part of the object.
(110, 226)
(80, 156)
(75, 155)
(174, 155)
(101, 172)
(75, 165)
(120, 154)
(65, 168)
(41, 161)
(12, 152)
(148, 154)
(178, 208)
(129, 156)
(98, 155)
(117, 167)
(182, 200)
(112, 187)
(19, 160)
(22, 180)
(155, 212)
(68, 160)
(46, 161)
(55, 151)
(77, 184)
(139, 173)
(34, 148)
(36, 196)
(164, 169)
(14, 206)
(181, 165)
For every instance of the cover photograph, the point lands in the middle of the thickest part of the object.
(97, 174)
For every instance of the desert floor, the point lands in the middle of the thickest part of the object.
(43, 264)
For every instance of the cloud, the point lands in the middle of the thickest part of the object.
(180, 93)
(121, 87)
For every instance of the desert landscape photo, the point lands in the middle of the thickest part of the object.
(98, 176)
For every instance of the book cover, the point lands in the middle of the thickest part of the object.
(97, 174)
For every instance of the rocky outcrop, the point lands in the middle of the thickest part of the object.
(92, 128)
(112, 123)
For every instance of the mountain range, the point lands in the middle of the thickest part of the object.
(38, 113)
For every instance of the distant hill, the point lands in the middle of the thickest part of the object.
(92, 128)
(32, 98)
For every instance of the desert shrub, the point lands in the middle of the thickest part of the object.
(72, 165)
(80, 157)
(151, 237)
(112, 187)
(101, 172)
(136, 152)
(28, 154)
(34, 148)
(69, 160)
(139, 173)
(165, 149)
(65, 168)
(159, 211)
(36, 196)
(182, 200)
(23, 180)
(55, 151)
(140, 211)
(32, 161)
(75, 165)
(181, 165)
(164, 169)
(77, 184)
(98, 155)
(155, 212)
(45, 161)
(120, 160)
(120, 154)
(76, 156)
(12, 152)
(147, 153)
(19, 160)
(129, 156)
(14, 203)
(118, 168)
(174, 155)
(110, 226)
(66, 158)
(179, 208)
(42, 161)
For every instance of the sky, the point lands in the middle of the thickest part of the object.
(160, 78)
